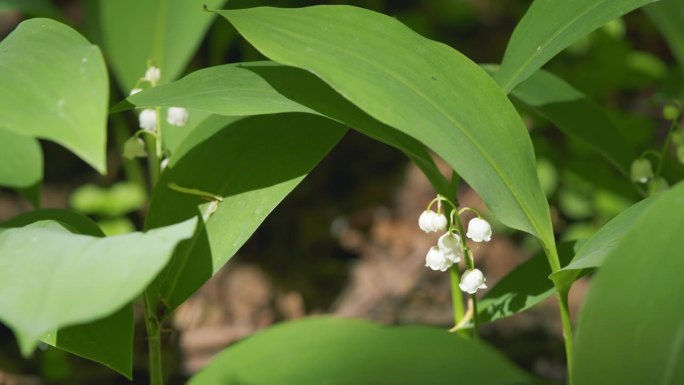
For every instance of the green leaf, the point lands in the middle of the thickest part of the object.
(266, 88)
(116, 200)
(422, 88)
(522, 288)
(165, 32)
(550, 26)
(631, 330)
(577, 116)
(21, 160)
(69, 109)
(594, 251)
(45, 270)
(108, 340)
(250, 165)
(334, 351)
(668, 17)
(71, 220)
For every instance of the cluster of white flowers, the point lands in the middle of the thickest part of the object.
(147, 119)
(451, 248)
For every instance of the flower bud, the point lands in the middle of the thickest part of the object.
(450, 245)
(148, 119)
(670, 112)
(152, 75)
(134, 148)
(641, 170)
(135, 91)
(472, 280)
(436, 260)
(479, 230)
(177, 116)
(431, 222)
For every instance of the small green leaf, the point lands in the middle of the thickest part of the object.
(335, 351)
(45, 271)
(550, 26)
(163, 32)
(251, 165)
(21, 160)
(631, 329)
(593, 252)
(422, 88)
(69, 109)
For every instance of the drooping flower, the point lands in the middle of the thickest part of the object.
(177, 116)
(431, 221)
(472, 280)
(152, 75)
(436, 260)
(641, 170)
(450, 245)
(479, 230)
(135, 91)
(148, 119)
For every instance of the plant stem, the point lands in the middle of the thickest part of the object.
(152, 323)
(562, 295)
(456, 297)
(154, 345)
(666, 145)
(470, 264)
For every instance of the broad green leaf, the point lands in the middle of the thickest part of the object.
(668, 17)
(54, 86)
(51, 278)
(577, 116)
(594, 251)
(252, 165)
(422, 88)
(267, 88)
(550, 26)
(335, 351)
(108, 340)
(522, 288)
(21, 160)
(631, 330)
(163, 32)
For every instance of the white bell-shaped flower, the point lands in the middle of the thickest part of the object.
(450, 245)
(135, 91)
(152, 75)
(436, 260)
(431, 222)
(472, 280)
(479, 230)
(177, 116)
(148, 119)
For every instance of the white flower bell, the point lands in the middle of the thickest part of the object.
(479, 230)
(135, 91)
(436, 260)
(148, 119)
(152, 75)
(177, 116)
(450, 245)
(472, 280)
(431, 222)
